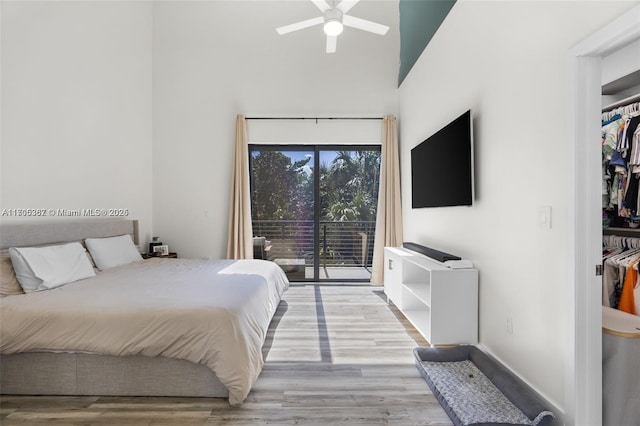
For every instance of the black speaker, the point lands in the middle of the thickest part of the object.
(440, 256)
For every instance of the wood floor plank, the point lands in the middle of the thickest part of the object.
(334, 355)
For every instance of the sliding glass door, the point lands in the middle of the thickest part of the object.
(283, 206)
(314, 209)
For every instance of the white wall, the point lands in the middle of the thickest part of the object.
(213, 60)
(76, 107)
(621, 63)
(505, 61)
(132, 104)
(621, 67)
(320, 132)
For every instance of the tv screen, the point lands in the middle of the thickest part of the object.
(442, 166)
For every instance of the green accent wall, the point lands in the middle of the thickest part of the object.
(419, 21)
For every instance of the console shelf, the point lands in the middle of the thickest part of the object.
(441, 303)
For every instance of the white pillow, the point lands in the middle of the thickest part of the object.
(111, 252)
(42, 268)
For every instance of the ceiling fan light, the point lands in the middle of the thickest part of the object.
(333, 22)
(333, 27)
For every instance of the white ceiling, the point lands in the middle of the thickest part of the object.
(259, 19)
(264, 72)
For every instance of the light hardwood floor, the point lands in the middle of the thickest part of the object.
(335, 355)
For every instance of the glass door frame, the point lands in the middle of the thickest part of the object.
(316, 149)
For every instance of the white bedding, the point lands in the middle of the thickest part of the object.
(213, 312)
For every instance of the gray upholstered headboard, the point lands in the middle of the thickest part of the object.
(33, 234)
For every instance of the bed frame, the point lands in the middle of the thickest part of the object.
(44, 373)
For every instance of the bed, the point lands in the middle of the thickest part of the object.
(156, 327)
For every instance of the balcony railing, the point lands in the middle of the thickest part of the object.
(342, 244)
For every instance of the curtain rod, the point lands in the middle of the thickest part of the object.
(623, 102)
(313, 118)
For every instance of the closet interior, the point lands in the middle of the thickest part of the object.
(621, 204)
(620, 261)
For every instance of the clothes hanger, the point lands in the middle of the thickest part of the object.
(624, 257)
(616, 241)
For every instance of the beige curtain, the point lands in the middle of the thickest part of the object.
(389, 217)
(240, 238)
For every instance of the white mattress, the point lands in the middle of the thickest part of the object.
(212, 312)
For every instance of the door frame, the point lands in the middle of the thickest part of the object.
(583, 366)
(335, 147)
(316, 148)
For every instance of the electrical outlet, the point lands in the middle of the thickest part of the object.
(509, 325)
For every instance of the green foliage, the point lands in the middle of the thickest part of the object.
(280, 189)
(349, 187)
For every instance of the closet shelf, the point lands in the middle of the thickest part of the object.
(623, 232)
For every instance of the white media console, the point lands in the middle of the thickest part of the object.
(440, 301)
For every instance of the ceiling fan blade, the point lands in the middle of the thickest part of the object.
(363, 24)
(322, 5)
(346, 5)
(332, 41)
(300, 25)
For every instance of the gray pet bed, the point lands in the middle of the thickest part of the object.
(475, 390)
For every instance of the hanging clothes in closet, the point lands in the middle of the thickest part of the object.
(621, 332)
(621, 281)
(621, 166)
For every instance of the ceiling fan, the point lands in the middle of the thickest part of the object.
(333, 19)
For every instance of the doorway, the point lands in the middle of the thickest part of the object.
(583, 381)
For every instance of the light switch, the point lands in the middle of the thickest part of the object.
(544, 217)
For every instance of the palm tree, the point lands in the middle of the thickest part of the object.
(349, 194)
(350, 186)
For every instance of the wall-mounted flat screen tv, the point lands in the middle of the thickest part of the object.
(442, 166)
